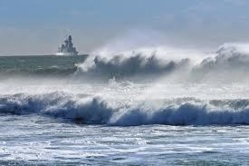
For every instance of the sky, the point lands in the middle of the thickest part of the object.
(39, 26)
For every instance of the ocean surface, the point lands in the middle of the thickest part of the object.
(142, 107)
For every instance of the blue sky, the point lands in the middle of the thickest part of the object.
(38, 26)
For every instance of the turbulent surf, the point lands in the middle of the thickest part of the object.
(123, 107)
(150, 87)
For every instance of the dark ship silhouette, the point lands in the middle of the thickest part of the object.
(67, 49)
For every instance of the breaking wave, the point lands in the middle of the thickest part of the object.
(94, 110)
(135, 66)
(229, 61)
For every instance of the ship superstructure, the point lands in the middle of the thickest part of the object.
(67, 48)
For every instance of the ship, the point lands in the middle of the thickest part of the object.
(67, 49)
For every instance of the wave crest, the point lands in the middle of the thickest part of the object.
(228, 64)
(91, 110)
(137, 65)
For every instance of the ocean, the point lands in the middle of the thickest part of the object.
(135, 108)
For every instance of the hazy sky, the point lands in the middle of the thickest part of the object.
(39, 26)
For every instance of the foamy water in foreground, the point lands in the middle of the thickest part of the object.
(39, 140)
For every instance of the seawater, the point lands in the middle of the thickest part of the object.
(129, 109)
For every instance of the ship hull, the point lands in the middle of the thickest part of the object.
(65, 54)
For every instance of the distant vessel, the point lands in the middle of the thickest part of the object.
(67, 49)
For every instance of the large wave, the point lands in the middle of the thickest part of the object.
(95, 110)
(229, 63)
(135, 66)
